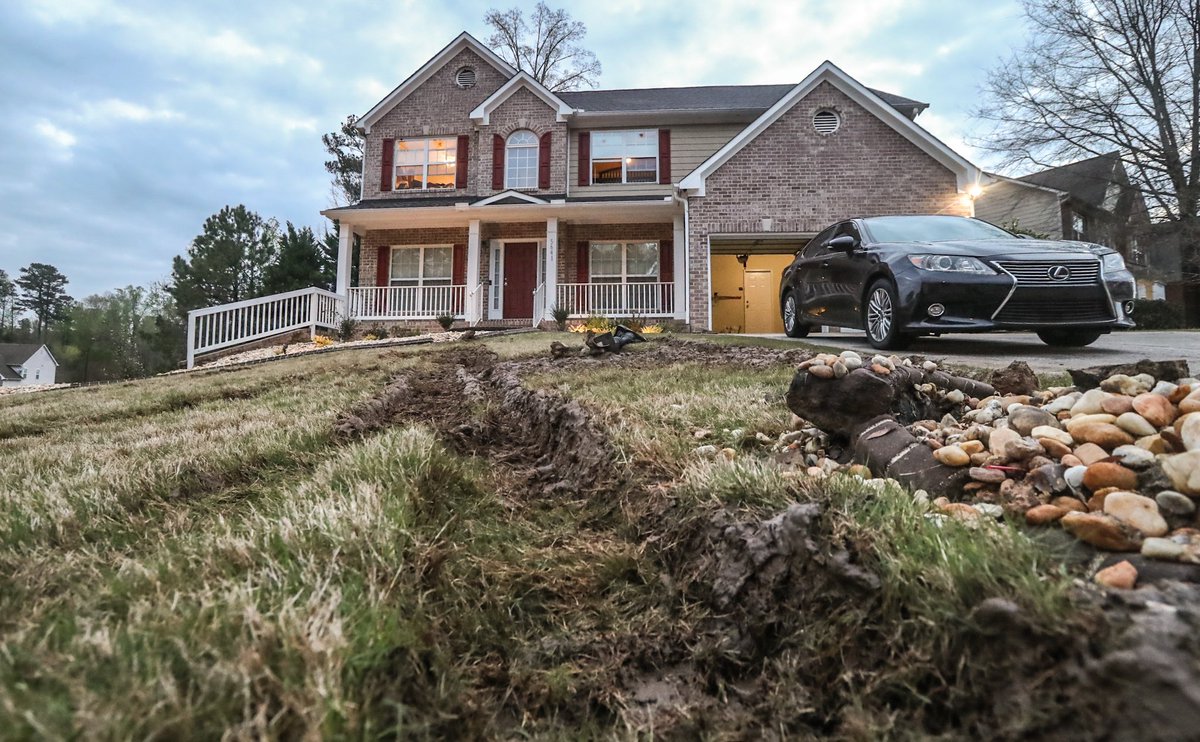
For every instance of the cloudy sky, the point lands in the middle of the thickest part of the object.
(127, 123)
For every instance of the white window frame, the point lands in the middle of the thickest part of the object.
(396, 164)
(420, 280)
(508, 160)
(623, 159)
(624, 261)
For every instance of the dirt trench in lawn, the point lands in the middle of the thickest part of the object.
(735, 583)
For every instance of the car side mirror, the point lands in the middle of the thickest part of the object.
(842, 243)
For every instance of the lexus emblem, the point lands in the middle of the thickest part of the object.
(1059, 272)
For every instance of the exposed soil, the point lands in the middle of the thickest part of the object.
(764, 579)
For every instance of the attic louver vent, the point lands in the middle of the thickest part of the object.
(465, 78)
(826, 122)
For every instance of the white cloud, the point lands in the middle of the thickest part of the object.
(115, 109)
(60, 138)
(370, 88)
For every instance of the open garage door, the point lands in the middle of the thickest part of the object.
(746, 272)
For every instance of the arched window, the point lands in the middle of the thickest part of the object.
(521, 160)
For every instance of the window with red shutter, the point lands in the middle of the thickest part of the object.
(544, 161)
(666, 260)
(383, 266)
(386, 171)
(581, 261)
(497, 162)
(460, 265)
(460, 171)
(585, 158)
(664, 156)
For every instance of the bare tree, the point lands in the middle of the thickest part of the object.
(547, 45)
(1105, 75)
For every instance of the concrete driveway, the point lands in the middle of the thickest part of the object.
(999, 349)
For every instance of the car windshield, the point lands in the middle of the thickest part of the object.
(931, 229)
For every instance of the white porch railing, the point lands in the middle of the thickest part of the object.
(407, 302)
(618, 299)
(216, 328)
(539, 304)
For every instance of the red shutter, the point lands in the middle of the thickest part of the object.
(581, 261)
(664, 156)
(463, 157)
(497, 162)
(386, 171)
(585, 158)
(383, 266)
(460, 265)
(666, 260)
(544, 161)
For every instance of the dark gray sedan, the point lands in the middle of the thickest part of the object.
(897, 277)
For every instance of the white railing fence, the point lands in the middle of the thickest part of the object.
(539, 304)
(216, 328)
(406, 302)
(618, 299)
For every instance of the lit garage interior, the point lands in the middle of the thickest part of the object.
(746, 273)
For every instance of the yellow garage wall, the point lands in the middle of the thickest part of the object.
(728, 280)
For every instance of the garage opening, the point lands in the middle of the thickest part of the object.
(746, 272)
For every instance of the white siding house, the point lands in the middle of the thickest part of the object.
(26, 364)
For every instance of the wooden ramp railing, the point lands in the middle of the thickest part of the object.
(216, 328)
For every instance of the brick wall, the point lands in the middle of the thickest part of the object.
(523, 110)
(438, 107)
(803, 181)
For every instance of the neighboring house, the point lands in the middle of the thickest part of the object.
(488, 197)
(26, 364)
(1089, 200)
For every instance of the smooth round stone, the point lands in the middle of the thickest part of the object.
(1136, 511)
(990, 509)
(972, 447)
(1078, 421)
(989, 476)
(1090, 453)
(929, 366)
(956, 396)
(1164, 388)
(1022, 449)
(1190, 403)
(952, 456)
(1088, 403)
(1174, 503)
(1161, 548)
(1134, 457)
(1153, 443)
(1074, 476)
(1024, 419)
(1107, 474)
(1054, 448)
(1070, 460)
(1099, 530)
(852, 362)
(1054, 432)
(1118, 404)
(1184, 471)
(1105, 435)
(1190, 432)
(1156, 408)
(1062, 404)
(1135, 425)
(839, 369)
(822, 371)
(1069, 504)
(1120, 576)
(1000, 438)
(1043, 514)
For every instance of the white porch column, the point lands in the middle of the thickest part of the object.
(474, 308)
(551, 270)
(344, 261)
(681, 269)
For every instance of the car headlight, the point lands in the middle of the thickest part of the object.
(951, 264)
(1113, 262)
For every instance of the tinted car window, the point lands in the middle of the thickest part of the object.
(816, 244)
(931, 229)
(847, 228)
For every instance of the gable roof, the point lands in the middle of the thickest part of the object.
(1086, 180)
(14, 355)
(967, 175)
(704, 98)
(483, 112)
(463, 41)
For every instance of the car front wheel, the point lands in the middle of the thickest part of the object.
(1068, 338)
(791, 318)
(879, 317)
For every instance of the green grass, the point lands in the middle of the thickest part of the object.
(198, 556)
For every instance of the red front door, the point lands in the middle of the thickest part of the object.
(520, 279)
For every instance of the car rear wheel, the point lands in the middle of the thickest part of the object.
(791, 318)
(879, 317)
(1068, 338)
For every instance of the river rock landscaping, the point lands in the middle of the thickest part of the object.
(1117, 466)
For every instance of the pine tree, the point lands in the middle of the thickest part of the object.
(43, 292)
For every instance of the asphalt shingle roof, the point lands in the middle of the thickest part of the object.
(704, 98)
(1086, 180)
(15, 354)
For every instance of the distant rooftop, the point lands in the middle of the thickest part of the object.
(1087, 180)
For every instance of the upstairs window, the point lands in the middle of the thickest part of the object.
(625, 156)
(521, 160)
(425, 163)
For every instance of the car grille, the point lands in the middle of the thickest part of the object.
(1037, 272)
(1038, 310)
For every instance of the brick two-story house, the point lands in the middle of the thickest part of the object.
(488, 196)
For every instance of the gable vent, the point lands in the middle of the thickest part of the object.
(826, 122)
(465, 78)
